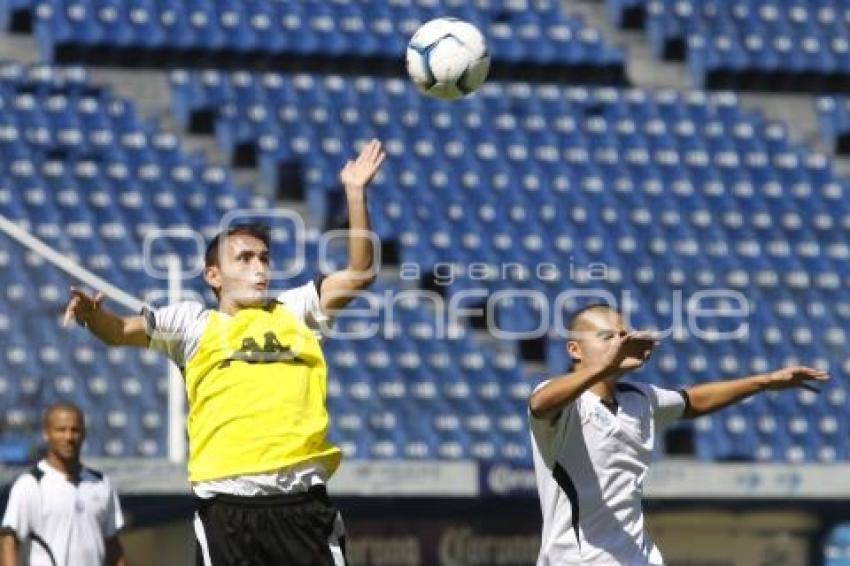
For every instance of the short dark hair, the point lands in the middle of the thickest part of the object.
(259, 231)
(62, 406)
(571, 327)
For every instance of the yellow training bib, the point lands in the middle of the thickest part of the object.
(257, 389)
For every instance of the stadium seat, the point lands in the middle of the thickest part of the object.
(361, 35)
(748, 44)
(834, 120)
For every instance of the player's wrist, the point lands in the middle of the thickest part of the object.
(764, 380)
(355, 190)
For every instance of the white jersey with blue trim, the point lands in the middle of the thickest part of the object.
(66, 522)
(590, 462)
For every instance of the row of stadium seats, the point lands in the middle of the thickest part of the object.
(749, 44)
(410, 370)
(708, 194)
(522, 35)
(566, 140)
(834, 120)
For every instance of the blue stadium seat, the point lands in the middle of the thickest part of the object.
(545, 36)
(834, 120)
(749, 43)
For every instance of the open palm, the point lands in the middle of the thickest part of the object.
(790, 377)
(360, 171)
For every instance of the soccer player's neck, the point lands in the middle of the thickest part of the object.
(228, 306)
(605, 389)
(231, 308)
(70, 467)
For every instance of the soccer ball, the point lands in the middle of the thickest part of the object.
(447, 58)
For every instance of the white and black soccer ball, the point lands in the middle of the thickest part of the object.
(447, 58)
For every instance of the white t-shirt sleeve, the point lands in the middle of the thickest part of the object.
(547, 433)
(170, 329)
(113, 519)
(304, 303)
(19, 510)
(667, 404)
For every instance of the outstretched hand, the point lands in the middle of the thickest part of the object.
(360, 171)
(80, 306)
(788, 378)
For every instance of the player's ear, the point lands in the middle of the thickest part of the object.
(574, 350)
(212, 275)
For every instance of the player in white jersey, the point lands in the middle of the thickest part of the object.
(69, 513)
(593, 437)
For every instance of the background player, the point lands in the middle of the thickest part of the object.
(256, 382)
(593, 438)
(68, 512)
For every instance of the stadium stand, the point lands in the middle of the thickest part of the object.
(673, 192)
(677, 191)
(525, 38)
(697, 192)
(722, 194)
(748, 44)
(82, 171)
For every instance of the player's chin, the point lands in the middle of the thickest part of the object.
(69, 452)
(253, 297)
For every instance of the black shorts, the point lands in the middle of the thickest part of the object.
(296, 529)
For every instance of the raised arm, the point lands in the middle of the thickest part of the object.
(706, 398)
(339, 288)
(627, 351)
(110, 328)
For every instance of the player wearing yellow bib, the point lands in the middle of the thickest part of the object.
(256, 382)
